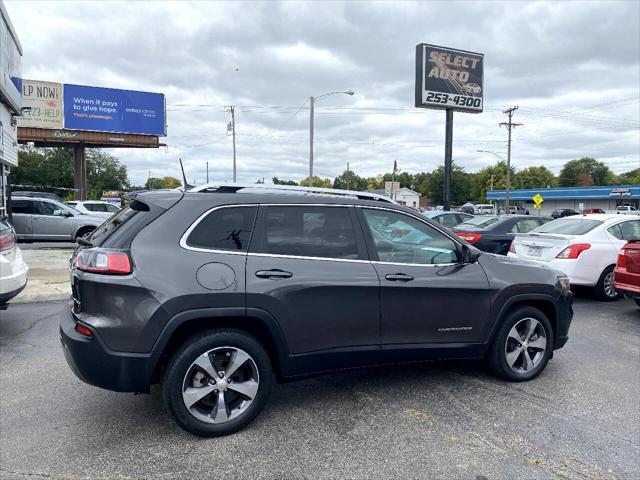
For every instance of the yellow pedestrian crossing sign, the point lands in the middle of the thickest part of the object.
(537, 199)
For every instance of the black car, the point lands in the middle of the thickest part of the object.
(494, 233)
(213, 292)
(563, 212)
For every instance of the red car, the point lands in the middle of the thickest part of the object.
(626, 276)
(588, 211)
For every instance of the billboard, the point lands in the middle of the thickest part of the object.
(448, 79)
(10, 62)
(110, 110)
(44, 105)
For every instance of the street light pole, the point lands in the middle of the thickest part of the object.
(312, 101)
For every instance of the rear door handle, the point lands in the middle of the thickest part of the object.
(398, 277)
(275, 273)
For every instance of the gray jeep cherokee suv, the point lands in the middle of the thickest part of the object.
(212, 292)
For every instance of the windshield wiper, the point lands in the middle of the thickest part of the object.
(84, 242)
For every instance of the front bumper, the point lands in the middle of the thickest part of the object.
(564, 316)
(95, 364)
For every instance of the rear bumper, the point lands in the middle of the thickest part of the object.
(13, 276)
(626, 282)
(95, 364)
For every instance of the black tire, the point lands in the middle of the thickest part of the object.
(600, 290)
(497, 357)
(84, 231)
(182, 360)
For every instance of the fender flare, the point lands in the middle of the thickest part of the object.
(516, 299)
(251, 314)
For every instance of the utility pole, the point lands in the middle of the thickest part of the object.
(207, 172)
(348, 185)
(510, 125)
(233, 131)
(311, 102)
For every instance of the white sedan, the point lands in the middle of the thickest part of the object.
(583, 247)
(13, 270)
(97, 208)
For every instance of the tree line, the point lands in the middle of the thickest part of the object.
(51, 169)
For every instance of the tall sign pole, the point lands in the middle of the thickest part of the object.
(510, 125)
(311, 113)
(448, 162)
(448, 79)
(233, 131)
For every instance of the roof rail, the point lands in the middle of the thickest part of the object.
(294, 189)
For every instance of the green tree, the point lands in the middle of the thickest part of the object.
(316, 182)
(630, 178)
(349, 180)
(535, 177)
(154, 183)
(277, 181)
(573, 173)
(482, 180)
(104, 172)
(461, 185)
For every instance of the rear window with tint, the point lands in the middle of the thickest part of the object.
(105, 230)
(479, 222)
(226, 228)
(569, 226)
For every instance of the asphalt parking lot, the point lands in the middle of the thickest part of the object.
(580, 419)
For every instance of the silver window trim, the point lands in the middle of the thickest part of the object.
(185, 235)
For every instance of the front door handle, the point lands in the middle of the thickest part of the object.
(398, 277)
(273, 274)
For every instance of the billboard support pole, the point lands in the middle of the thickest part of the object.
(448, 147)
(79, 171)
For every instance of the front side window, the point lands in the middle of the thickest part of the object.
(227, 228)
(111, 208)
(308, 231)
(46, 208)
(95, 207)
(399, 238)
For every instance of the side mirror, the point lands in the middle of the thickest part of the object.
(67, 214)
(470, 255)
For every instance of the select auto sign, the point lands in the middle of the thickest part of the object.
(447, 78)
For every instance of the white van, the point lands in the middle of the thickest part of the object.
(485, 209)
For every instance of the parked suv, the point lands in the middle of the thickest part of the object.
(213, 291)
(49, 220)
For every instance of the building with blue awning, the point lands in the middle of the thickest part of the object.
(578, 198)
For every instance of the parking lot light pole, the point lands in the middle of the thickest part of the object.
(501, 158)
(312, 101)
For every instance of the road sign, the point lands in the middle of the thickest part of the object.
(537, 206)
(537, 199)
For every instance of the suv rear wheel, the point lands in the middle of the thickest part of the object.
(217, 382)
(523, 345)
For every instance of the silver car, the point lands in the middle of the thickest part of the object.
(46, 219)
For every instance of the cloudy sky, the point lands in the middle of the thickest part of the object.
(573, 69)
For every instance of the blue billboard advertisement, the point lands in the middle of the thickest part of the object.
(111, 110)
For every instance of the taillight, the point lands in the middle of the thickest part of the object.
(7, 240)
(512, 247)
(84, 331)
(573, 251)
(622, 260)
(98, 260)
(469, 237)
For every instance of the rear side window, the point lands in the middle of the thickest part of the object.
(227, 228)
(569, 226)
(308, 231)
(626, 230)
(22, 206)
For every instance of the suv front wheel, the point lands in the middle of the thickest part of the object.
(522, 346)
(217, 382)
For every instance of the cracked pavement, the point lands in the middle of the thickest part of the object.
(579, 420)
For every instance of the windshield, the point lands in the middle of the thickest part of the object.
(478, 222)
(568, 226)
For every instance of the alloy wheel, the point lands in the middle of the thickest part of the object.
(608, 286)
(220, 385)
(525, 346)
